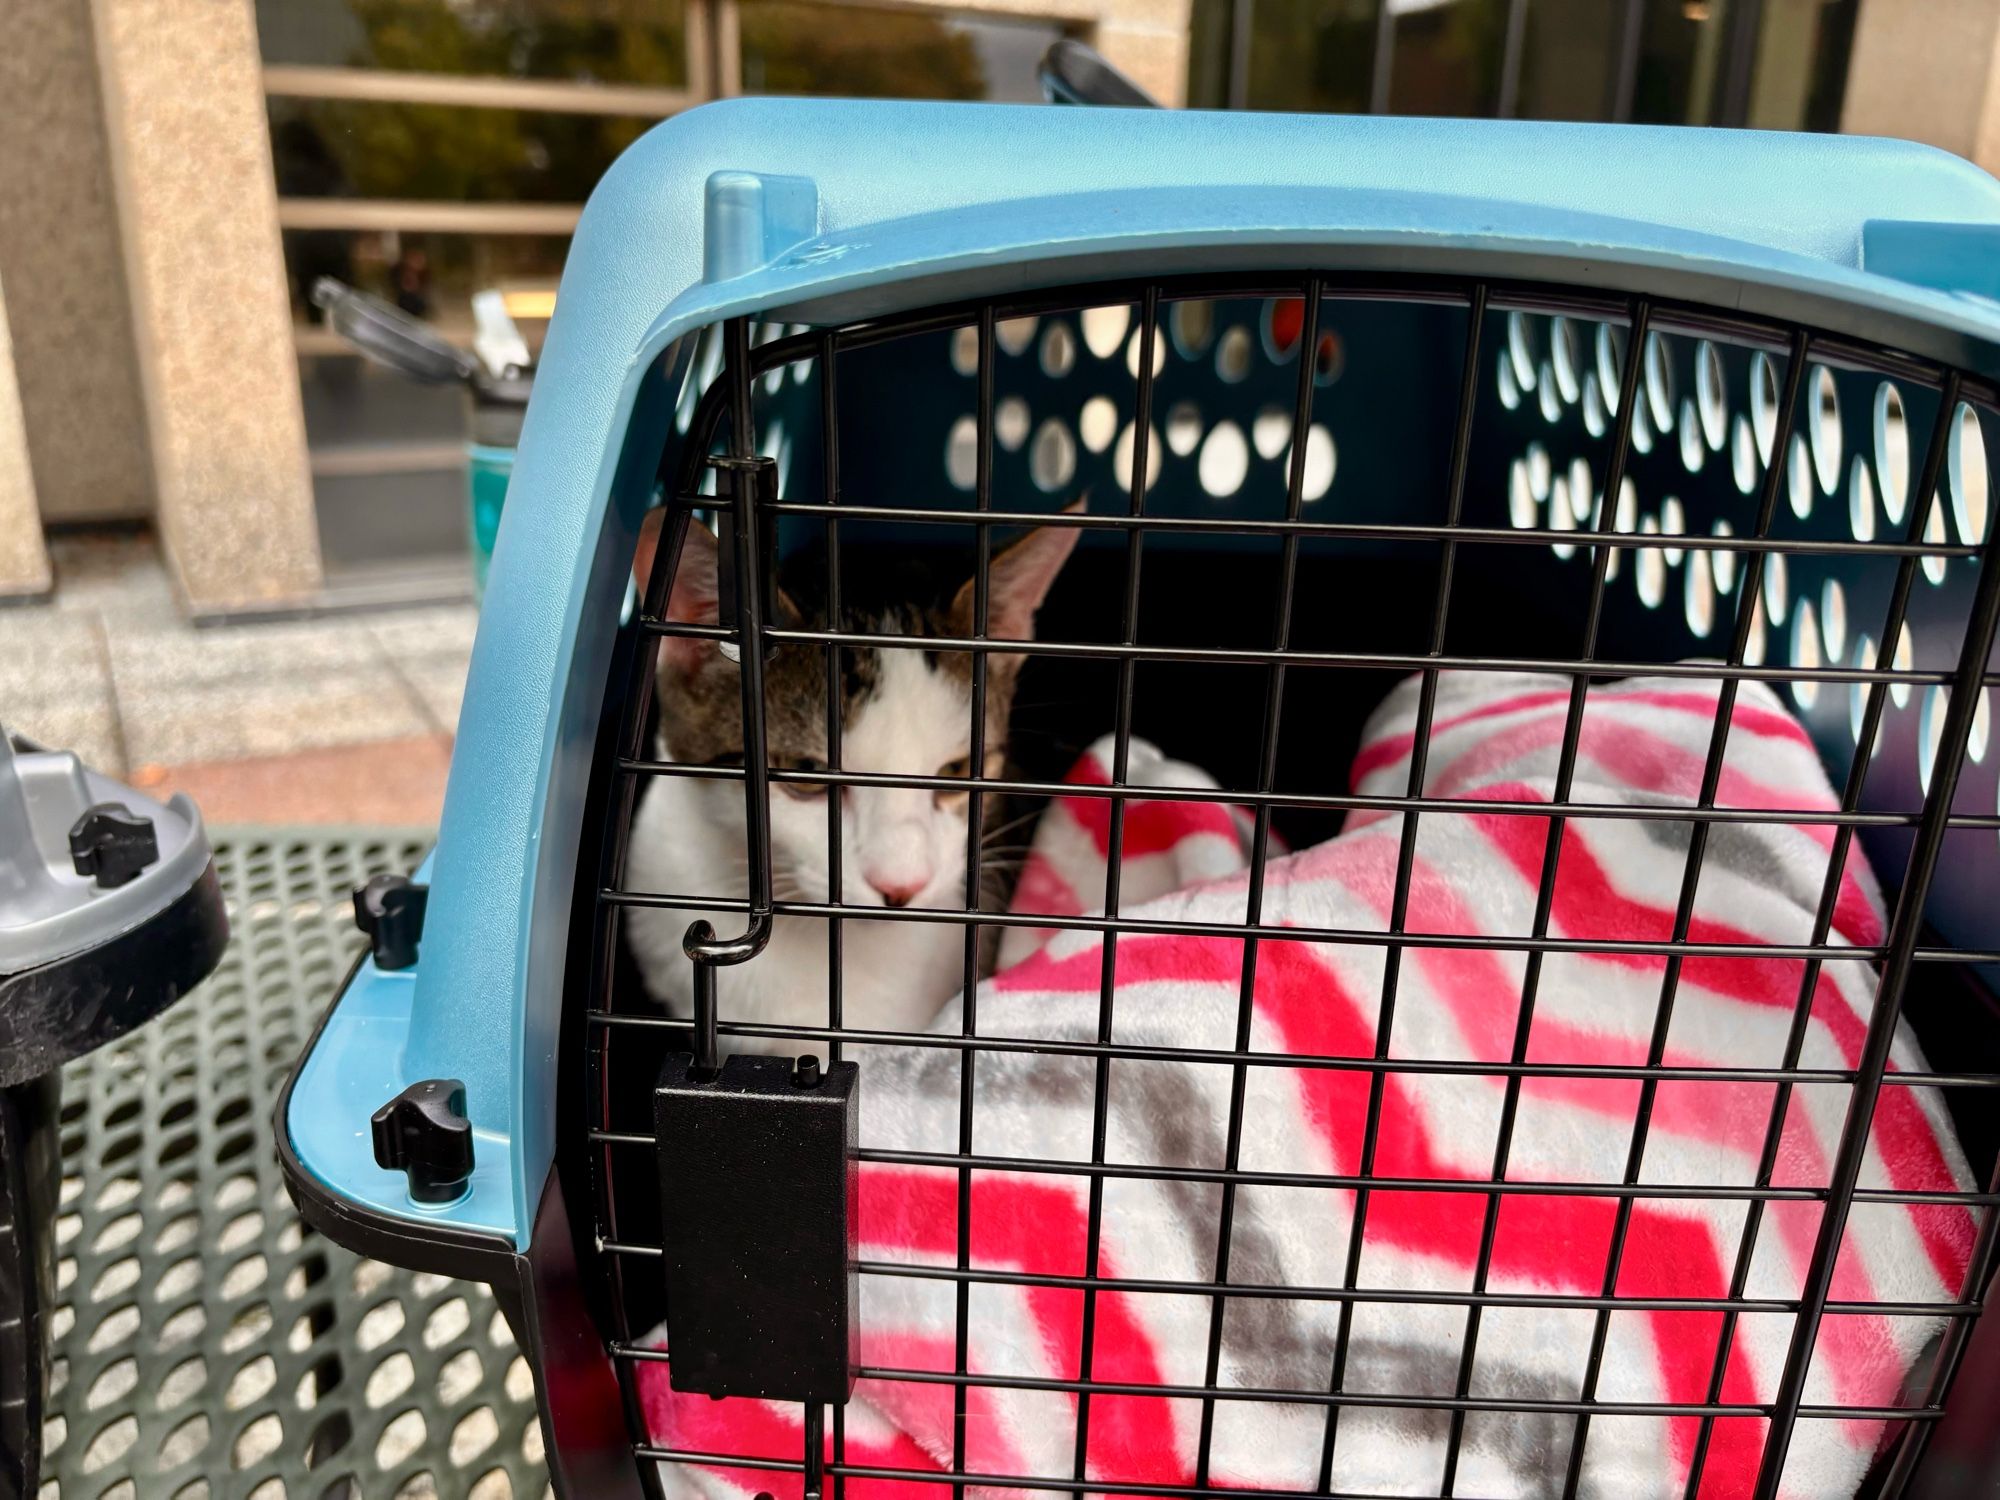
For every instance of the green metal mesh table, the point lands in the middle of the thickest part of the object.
(209, 1346)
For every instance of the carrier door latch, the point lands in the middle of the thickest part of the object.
(757, 1192)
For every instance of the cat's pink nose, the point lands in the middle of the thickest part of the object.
(897, 891)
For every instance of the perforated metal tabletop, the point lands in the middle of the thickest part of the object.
(209, 1346)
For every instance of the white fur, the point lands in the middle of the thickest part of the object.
(688, 840)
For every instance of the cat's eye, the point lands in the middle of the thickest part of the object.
(960, 767)
(804, 791)
(995, 764)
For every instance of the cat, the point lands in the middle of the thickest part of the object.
(905, 711)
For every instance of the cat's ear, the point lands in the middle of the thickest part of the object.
(696, 595)
(1018, 579)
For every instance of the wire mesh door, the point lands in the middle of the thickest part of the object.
(1531, 1101)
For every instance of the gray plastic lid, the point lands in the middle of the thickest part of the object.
(47, 910)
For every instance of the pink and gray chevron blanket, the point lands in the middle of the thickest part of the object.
(1495, 739)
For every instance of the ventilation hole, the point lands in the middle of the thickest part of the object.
(400, 1440)
(1764, 405)
(520, 1381)
(498, 1334)
(1673, 522)
(183, 1381)
(251, 1383)
(1104, 328)
(1799, 479)
(1547, 394)
(1183, 428)
(1930, 732)
(334, 1433)
(1967, 470)
(1777, 595)
(1560, 518)
(1610, 363)
(1520, 499)
(1981, 734)
(313, 1323)
(1581, 498)
(447, 1321)
(116, 1193)
(1700, 594)
(492, 1485)
(1694, 451)
(1833, 618)
(65, 1272)
(1857, 693)
(416, 1487)
(1232, 355)
(476, 1431)
(1192, 327)
(186, 1324)
(961, 453)
(1711, 400)
(1097, 425)
(245, 1276)
(1724, 560)
(119, 1150)
(1905, 661)
(459, 1377)
(1271, 431)
(118, 1277)
(1225, 460)
(389, 1379)
(237, 1145)
(175, 1113)
(1121, 461)
(114, 1382)
(1521, 349)
(1826, 429)
(1052, 458)
(1540, 471)
(1652, 568)
(247, 1327)
(1596, 421)
(1642, 429)
(184, 1444)
(309, 1272)
(112, 1443)
(1659, 377)
(1132, 353)
(1010, 423)
(1320, 460)
(257, 1442)
(68, 1226)
(1934, 565)
(1892, 452)
(1860, 501)
(1805, 651)
(1013, 335)
(1566, 356)
(182, 1277)
(1754, 648)
(55, 1431)
(1505, 383)
(124, 1114)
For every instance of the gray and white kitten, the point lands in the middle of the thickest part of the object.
(905, 711)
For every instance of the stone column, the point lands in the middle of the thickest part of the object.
(191, 163)
(24, 562)
(1928, 70)
(74, 357)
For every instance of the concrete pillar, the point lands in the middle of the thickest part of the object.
(24, 562)
(1928, 70)
(74, 357)
(1147, 40)
(191, 163)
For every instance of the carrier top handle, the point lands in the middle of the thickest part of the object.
(745, 481)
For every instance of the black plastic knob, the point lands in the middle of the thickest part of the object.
(390, 909)
(112, 844)
(423, 1132)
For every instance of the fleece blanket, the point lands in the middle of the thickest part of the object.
(1495, 738)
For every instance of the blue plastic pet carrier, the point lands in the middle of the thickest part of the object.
(1370, 400)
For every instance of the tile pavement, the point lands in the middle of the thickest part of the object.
(342, 718)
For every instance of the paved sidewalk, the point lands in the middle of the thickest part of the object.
(344, 718)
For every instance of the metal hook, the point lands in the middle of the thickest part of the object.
(744, 475)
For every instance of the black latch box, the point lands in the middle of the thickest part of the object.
(757, 1195)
